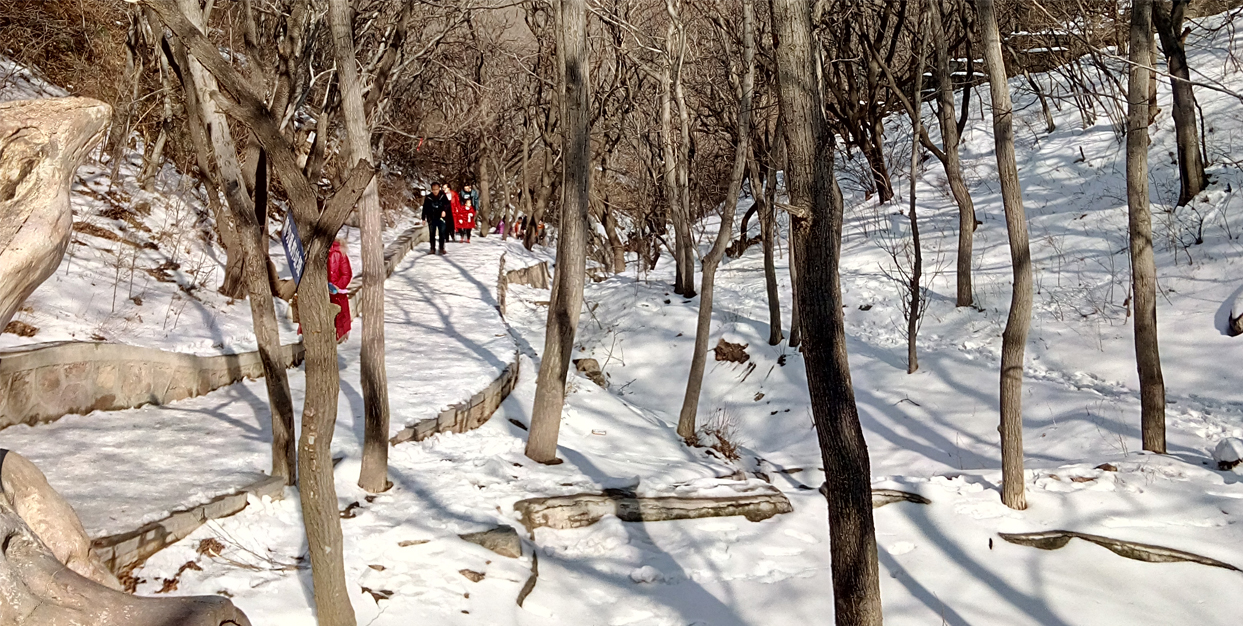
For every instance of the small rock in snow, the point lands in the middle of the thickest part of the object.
(1228, 453)
(646, 574)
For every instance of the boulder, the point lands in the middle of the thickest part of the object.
(1229, 453)
(503, 540)
(47, 577)
(591, 369)
(42, 143)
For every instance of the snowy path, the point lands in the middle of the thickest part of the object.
(125, 468)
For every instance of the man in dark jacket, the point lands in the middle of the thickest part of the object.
(436, 213)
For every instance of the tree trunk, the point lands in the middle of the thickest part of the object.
(566, 302)
(673, 191)
(317, 484)
(953, 162)
(796, 325)
(1014, 338)
(254, 247)
(1143, 266)
(874, 151)
(699, 358)
(1169, 22)
(1049, 124)
(374, 474)
(768, 235)
(484, 181)
(917, 267)
(816, 223)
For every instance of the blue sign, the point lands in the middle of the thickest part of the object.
(294, 253)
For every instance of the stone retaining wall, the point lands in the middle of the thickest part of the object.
(43, 382)
(125, 551)
(468, 415)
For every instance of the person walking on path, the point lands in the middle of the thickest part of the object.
(436, 208)
(467, 223)
(469, 191)
(455, 206)
(339, 276)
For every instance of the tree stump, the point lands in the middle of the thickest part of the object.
(48, 578)
(42, 142)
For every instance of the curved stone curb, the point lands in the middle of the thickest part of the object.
(125, 551)
(473, 413)
(468, 415)
(45, 382)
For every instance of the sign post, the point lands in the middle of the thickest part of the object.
(294, 254)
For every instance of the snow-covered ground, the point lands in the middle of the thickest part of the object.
(932, 433)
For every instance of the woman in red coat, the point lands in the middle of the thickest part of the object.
(455, 205)
(339, 276)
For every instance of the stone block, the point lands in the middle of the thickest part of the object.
(48, 380)
(106, 377)
(20, 396)
(425, 429)
(446, 420)
(76, 372)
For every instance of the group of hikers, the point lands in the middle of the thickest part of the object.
(449, 215)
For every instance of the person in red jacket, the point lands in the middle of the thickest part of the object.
(467, 222)
(455, 204)
(339, 276)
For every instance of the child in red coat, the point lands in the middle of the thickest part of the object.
(467, 222)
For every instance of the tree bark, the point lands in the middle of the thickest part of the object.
(816, 223)
(694, 384)
(373, 476)
(1169, 22)
(953, 162)
(1014, 338)
(1143, 265)
(566, 302)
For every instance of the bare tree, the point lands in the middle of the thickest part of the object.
(816, 210)
(1014, 338)
(694, 384)
(566, 302)
(1168, 18)
(1143, 265)
(198, 85)
(373, 476)
(318, 222)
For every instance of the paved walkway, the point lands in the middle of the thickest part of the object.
(120, 470)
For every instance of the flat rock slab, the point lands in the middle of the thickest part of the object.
(503, 540)
(576, 511)
(1055, 539)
